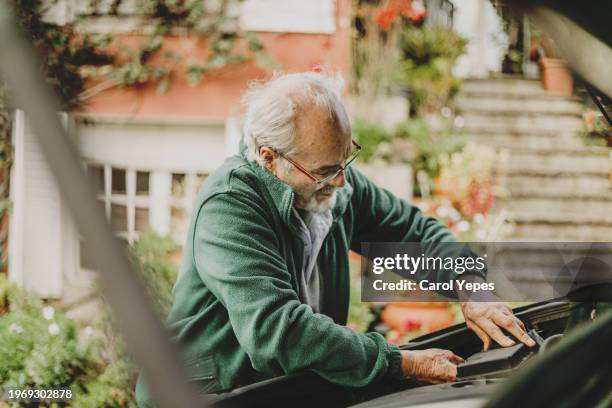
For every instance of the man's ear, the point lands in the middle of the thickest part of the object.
(268, 157)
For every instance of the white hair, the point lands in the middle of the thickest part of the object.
(271, 109)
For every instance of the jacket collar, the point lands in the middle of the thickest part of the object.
(283, 196)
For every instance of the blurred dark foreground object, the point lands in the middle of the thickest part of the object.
(146, 337)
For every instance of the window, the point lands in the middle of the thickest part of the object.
(124, 195)
(142, 183)
(137, 200)
(118, 181)
(96, 175)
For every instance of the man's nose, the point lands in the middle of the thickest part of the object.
(337, 181)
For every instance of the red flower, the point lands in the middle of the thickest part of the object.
(406, 10)
(412, 324)
(385, 17)
(480, 199)
(404, 7)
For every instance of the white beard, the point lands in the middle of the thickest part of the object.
(321, 206)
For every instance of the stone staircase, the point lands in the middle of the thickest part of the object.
(560, 189)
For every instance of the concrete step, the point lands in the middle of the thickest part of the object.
(521, 123)
(543, 141)
(568, 163)
(556, 186)
(563, 209)
(562, 150)
(500, 103)
(559, 188)
(548, 231)
(513, 86)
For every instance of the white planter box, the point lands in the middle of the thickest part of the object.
(389, 111)
(397, 178)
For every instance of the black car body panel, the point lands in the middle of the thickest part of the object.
(478, 382)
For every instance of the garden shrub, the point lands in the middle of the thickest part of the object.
(41, 347)
(152, 252)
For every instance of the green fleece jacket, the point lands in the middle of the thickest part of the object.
(236, 311)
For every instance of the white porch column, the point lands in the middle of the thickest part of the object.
(36, 234)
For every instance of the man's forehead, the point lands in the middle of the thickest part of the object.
(323, 143)
(316, 125)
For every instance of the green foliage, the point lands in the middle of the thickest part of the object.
(414, 142)
(70, 58)
(38, 345)
(595, 130)
(370, 136)
(152, 253)
(112, 382)
(429, 145)
(429, 54)
(111, 388)
(62, 48)
(41, 347)
(216, 24)
(6, 287)
(360, 314)
(427, 43)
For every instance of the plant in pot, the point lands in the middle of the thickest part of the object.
(428, 56)
(377, 92)
(555, 75)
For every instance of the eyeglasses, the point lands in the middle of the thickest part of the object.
(333, 174)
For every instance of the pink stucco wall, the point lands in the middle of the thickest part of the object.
(219, 94)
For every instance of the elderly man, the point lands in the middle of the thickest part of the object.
(264, 285)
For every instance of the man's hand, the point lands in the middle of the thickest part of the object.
(434, 366)
(486, 318)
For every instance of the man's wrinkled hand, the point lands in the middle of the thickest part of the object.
(486, 319)
(435, 366)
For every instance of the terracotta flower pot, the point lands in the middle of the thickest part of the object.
(556, 77)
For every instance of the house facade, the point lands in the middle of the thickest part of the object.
(148, 154)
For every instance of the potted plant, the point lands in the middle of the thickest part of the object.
(554, 73)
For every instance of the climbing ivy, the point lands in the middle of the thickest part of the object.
(71, 57)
